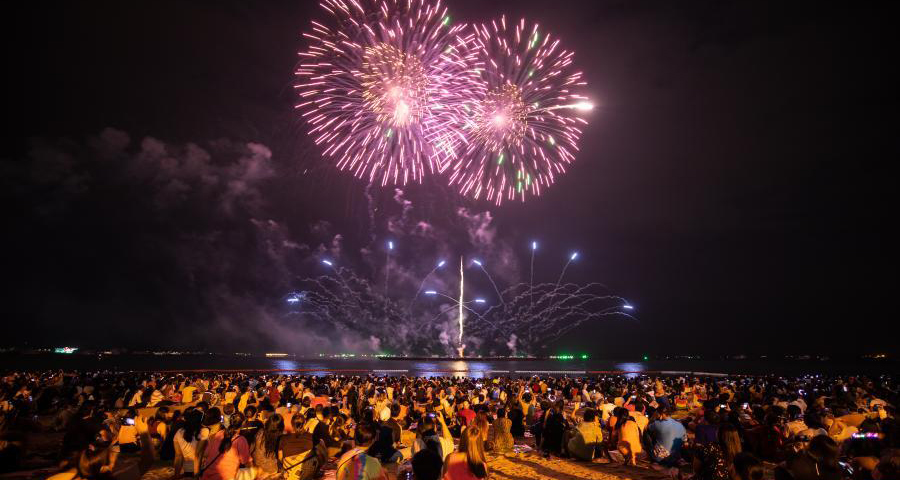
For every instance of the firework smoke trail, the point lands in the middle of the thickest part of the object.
(351, 307)
(572, 257)
(565, 267)
(496, 290)
(531, 277)
(381, 86)
(567, 305)
(536, 315)
(387, 266)
(422, 284)
(522, 125)
(370, 210)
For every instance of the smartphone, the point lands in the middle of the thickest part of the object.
(845, 388)
(288, 404)
(129, 421)
(745, 406)
(723, 406)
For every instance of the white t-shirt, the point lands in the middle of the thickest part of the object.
(189, 449)
(606, 410)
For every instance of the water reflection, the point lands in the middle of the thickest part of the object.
(457, 368)
(317, 369)
(631, 368)
(285, 365)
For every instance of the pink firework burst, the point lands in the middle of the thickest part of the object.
(524, 120)
(382, 86)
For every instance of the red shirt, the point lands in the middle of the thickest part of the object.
(467, 414)
(274, 395)
(225, 466)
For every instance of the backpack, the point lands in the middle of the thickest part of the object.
(302, 466)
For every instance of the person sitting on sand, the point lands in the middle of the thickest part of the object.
(300, 457)
(469, 463)
(433, 428)
(667, 438)
(587, 437)
(628, 435)
(748, 467)
(555, 426)
(427, 465)
(265, 448)
(357, 464)
(97, 461)
(189, 441)
(499, 434)
(226, 451)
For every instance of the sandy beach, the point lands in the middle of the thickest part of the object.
(518, 466)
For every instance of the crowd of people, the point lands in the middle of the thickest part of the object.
(238, 426)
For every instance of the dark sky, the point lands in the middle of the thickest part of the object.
(733, 181)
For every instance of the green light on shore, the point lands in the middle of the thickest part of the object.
(584, 357)
(446, 20)
(646, 357)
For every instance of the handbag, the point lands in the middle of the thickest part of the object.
(246, 473)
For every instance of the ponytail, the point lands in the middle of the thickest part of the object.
(234, 427)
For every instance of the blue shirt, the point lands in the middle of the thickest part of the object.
(668, 434)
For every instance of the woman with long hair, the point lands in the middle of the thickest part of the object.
(481, 421)
(628, 436)
(469, 463)
(299, 456)
(189, 443)
(730, 443)
(265, 447)
(226, 451)
(499, 434)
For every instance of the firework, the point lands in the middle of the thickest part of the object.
(382, 87)
(522, 124)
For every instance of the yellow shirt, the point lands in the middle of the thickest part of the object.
(630, 434)
(187, 395)
(127, 434)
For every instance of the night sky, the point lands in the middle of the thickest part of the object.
(733, 182)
